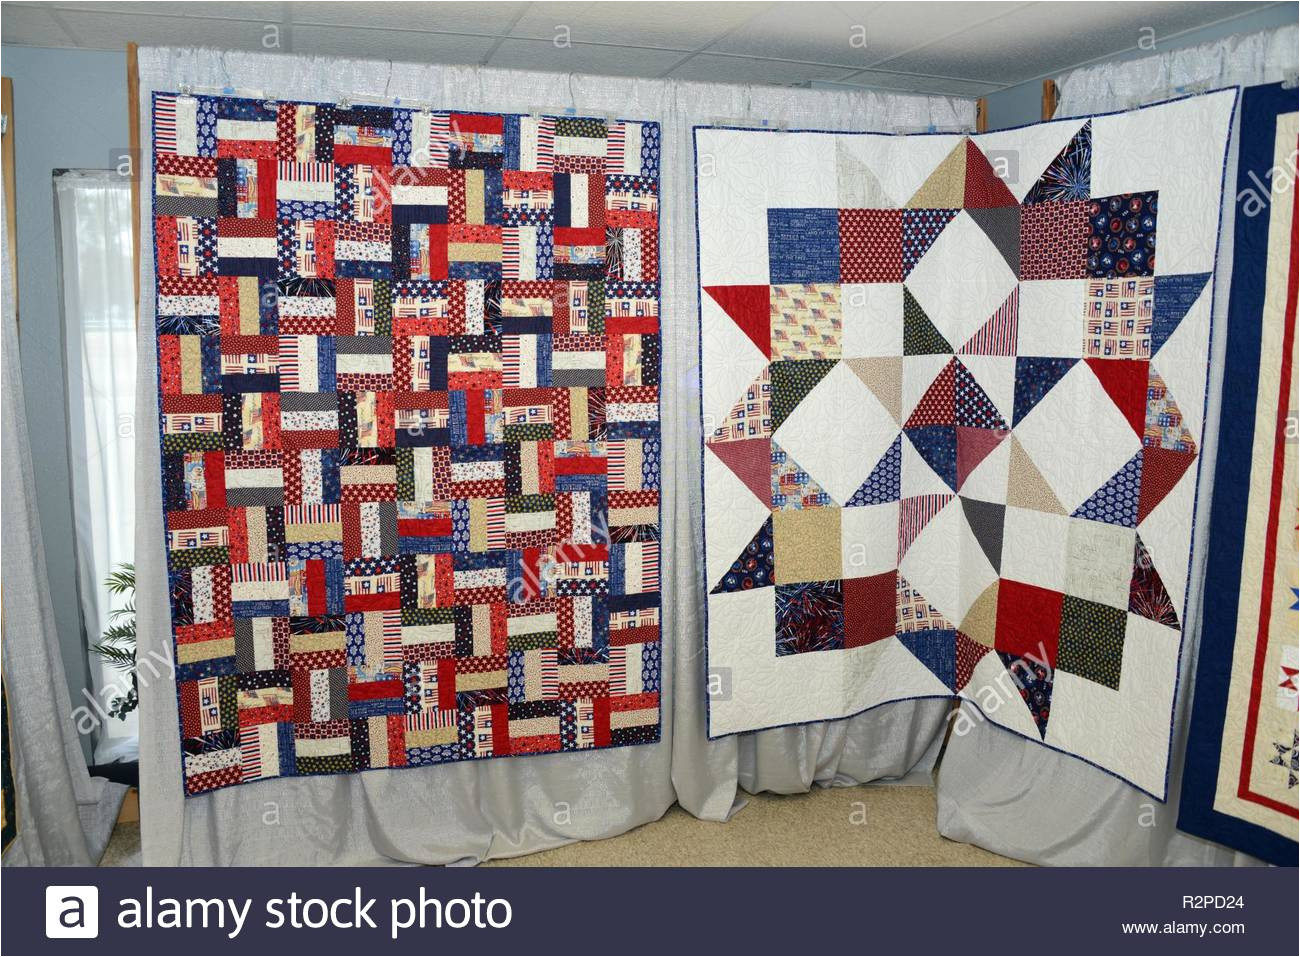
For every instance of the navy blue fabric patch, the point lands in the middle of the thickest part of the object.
(803, 245)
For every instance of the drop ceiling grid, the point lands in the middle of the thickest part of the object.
(964, 49)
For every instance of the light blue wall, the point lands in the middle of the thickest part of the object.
(1021, 104)
(69, 111)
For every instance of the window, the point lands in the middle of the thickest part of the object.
(93, 218)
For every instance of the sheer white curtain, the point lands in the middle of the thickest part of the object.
(503, 808)
(93, 217)
(64, 815)
(1014, 796)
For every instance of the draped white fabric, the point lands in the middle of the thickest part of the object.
(1246, 59)
(93, 217)
(1012, 795)
(64, 815)
(505, 808)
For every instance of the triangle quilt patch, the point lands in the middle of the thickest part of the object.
(920, 336)
(749, 307)
(751, 416)
(1116, 502)
(915, 613)
(792, 487)
(750, 460)
(1148, 597)
(914, 514)
(945, 188)
(969, 653)
(792, 380)
(1174, 296)
(1034, 680)
(1069, 176)
(986, 520)
(1026, 487)
(1035, 377)
(884, 484)
(884, 377)
(997, 337)
(753, 567)
(984, 188)
(937, 444)
(1001, 224)
(973, 447)
(933, 647)
(921, 227)
(938, 406)
(1125, 381)
(1161, 470)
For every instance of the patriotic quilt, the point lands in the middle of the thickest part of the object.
(1240, 775)
(953, 390)
(409, 413)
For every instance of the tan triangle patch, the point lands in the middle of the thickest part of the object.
(884, 377)
(1026, 487)
(945, 188)
(981, 618)
(859, 188)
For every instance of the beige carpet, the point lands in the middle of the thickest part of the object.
(828, 827)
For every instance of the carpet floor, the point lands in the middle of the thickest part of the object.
(827, 827)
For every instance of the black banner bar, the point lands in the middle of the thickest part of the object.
(351, 911)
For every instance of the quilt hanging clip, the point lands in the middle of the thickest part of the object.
(1169, 93)
(932, 128)
(748, 122)
(189, 89)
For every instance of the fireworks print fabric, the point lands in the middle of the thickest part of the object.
(409, 414)
(953, 390)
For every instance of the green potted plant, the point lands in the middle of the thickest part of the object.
(117, 644)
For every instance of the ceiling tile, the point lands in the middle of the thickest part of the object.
(380, 44)
(488, 19)
(715, 68)
(855, 34)
(1028, 43)
(34, 27)
(669, 25)
(517, 54)
(92, 30)
(260, 12)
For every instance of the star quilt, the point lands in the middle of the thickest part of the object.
(408, 366)
(1240, 775)
(953, 389)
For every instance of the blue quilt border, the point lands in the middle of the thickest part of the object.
(1260, 107)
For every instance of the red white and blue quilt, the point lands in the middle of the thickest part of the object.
(1241, 776)
(408, 366)
(953, 391)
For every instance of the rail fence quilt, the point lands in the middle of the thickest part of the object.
(953, 390)
(408, 366)
(1240, 776)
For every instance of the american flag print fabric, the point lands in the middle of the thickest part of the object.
(408, 370)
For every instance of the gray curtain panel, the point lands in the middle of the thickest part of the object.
(1023, 800)
(64, 815)
(487, 809)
